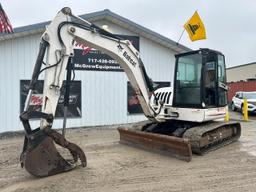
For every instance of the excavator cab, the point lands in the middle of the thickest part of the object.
(200, 80)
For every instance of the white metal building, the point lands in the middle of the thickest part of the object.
(242, 72)
(104, 94)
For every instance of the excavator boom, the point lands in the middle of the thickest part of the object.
(40, 156)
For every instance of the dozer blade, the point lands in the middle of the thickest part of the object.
(41, 158)
(164, 144)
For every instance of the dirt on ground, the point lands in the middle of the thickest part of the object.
(115, 167)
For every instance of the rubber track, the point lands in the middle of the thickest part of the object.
(195, 134)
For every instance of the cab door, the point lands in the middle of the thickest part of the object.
(222, 82)
(210, 79)
(214, 75)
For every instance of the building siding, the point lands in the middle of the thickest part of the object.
(16, 60)
(241, 73)
(104, 94)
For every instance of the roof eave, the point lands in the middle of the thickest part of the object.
(243, 65)
(145, 32)
(109, 16)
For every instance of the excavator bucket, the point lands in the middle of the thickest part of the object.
(41, 158)
(168, 145)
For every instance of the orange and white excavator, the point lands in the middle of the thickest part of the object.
(183, 118)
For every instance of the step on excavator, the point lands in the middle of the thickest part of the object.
(183, 118)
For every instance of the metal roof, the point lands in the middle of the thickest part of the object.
(243, 65)
(108, 16)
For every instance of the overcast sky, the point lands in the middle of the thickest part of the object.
(230, 24)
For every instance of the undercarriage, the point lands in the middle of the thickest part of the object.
(181, 139)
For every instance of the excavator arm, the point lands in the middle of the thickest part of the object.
(40, 157)
(57, 47)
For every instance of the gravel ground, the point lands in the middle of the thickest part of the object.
(114, 167)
